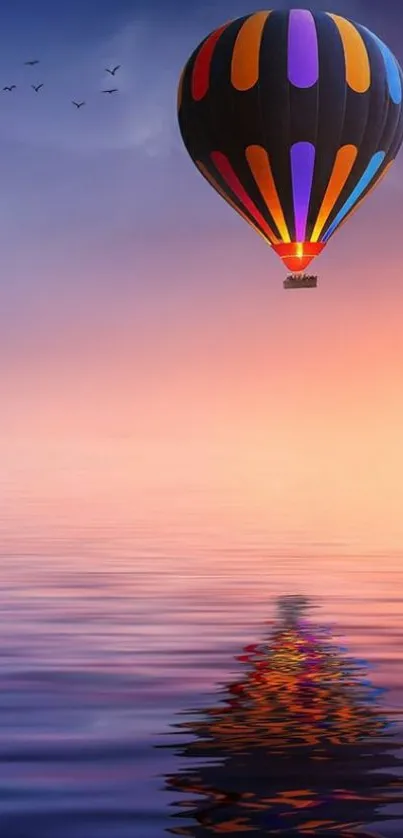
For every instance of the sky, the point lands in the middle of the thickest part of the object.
(149, 357)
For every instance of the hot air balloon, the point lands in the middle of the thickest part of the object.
(293, 117)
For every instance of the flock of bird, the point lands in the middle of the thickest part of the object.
(37, 87)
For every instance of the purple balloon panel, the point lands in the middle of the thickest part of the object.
(302, 165)
(303, 57)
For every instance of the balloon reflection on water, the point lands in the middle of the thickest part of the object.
(296, 745)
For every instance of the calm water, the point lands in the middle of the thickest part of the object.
(130, 707)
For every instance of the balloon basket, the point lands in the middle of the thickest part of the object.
(300, 281)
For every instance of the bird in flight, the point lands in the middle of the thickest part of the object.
(111, 90)
(10, 87)
(32, 63)
(113, 70)
(77, 104)
(36, 87)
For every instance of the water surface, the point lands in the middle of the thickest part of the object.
(109, 642)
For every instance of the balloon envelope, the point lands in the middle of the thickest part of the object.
(293, 117)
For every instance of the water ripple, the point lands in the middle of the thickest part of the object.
(102, 651)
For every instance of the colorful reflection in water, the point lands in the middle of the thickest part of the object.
(296, 746)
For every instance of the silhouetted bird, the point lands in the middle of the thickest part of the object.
(77, 104)
(36, 87)
(10, 87)
(114, 70)
(32, 63)
(112, 90)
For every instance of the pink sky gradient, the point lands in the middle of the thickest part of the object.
(150, 361)
(224, 399)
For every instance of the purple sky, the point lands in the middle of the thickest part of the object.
(87, 195)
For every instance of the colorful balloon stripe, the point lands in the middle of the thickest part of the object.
(392, 69)
(303, 58)
(205, 172)
(201, 69)
(259, 164)
(302, 165)
(358, 71)
(345, 159)
(246, 53)
(362, 184)
(374, 185)
(227, 173)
